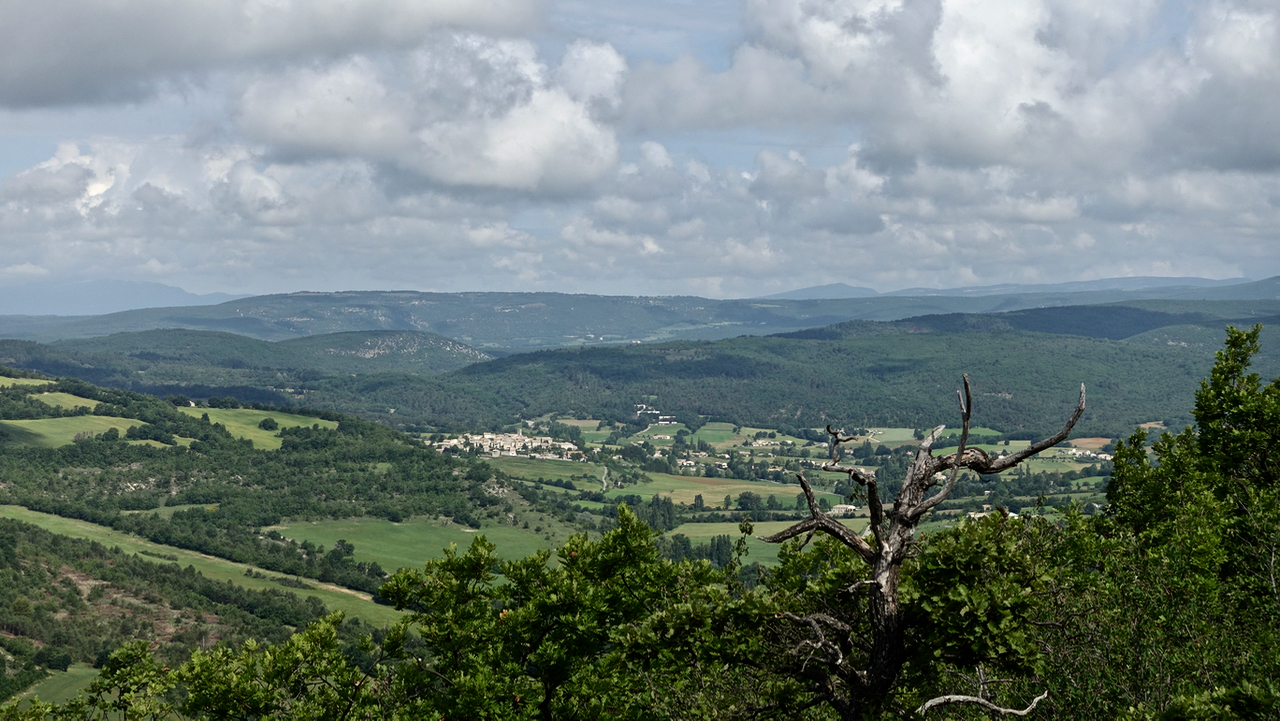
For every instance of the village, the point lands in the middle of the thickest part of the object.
(511, 444)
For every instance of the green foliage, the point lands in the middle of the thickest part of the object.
(971, 591)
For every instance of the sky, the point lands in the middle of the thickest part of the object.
(671, 147)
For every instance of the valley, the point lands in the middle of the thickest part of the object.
(320, 465)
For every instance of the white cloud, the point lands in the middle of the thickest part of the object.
(25, 270)
(592, 71)
(70, 51)
(460, 110)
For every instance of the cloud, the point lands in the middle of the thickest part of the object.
(25, 270)
(886, 143)
(461, 110)
(74, 51)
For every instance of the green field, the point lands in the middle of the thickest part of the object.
(532, 469)
(65, 400)
(757, 551)
(54, 432)
(61, 686)
(335, 598)
(412, 542)
(6, 382)
(717, 434)
(683, 489)
(243, 423)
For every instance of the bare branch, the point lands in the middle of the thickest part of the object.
(822, 522)
(839, 436)
(875, 511)
(813, 619)
(920, 468)
(806, 526)
(979, 701)
(855, 474)
(1004, 463)
(966, 412)
(814, 622)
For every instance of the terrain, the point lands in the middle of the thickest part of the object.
(260, 483)
(516, 321)
(1140, 360)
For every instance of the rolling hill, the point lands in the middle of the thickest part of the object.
(523, 321)
(1140, 364)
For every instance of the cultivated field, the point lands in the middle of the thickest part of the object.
(412, 542)
(6, 382)
(66, 400)
(683, 489)
(54, 432)
(532, 469)
(243, 423)
(61, 686)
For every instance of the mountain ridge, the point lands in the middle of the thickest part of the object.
(501, 322)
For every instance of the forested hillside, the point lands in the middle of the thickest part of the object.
(858, 374)
(1141, 362)
(72, 601)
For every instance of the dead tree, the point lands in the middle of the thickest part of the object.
(851, 689)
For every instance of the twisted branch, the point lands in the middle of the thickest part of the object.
(979, 701)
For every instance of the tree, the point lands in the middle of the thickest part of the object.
(1208, 508)
(855, 667)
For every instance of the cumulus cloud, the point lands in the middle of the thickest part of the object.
(72, 51)
(462, 111)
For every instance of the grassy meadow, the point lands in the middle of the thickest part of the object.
(410, 543)
(7, 382)
(60, 687)
(66, 400)
(54, 432)
(243, 423)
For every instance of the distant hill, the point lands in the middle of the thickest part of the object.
(1134, 283)
(206, 363)
(504, 322)
(96, 297)
(824, 292)
(1140, 364)
(350, 352)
